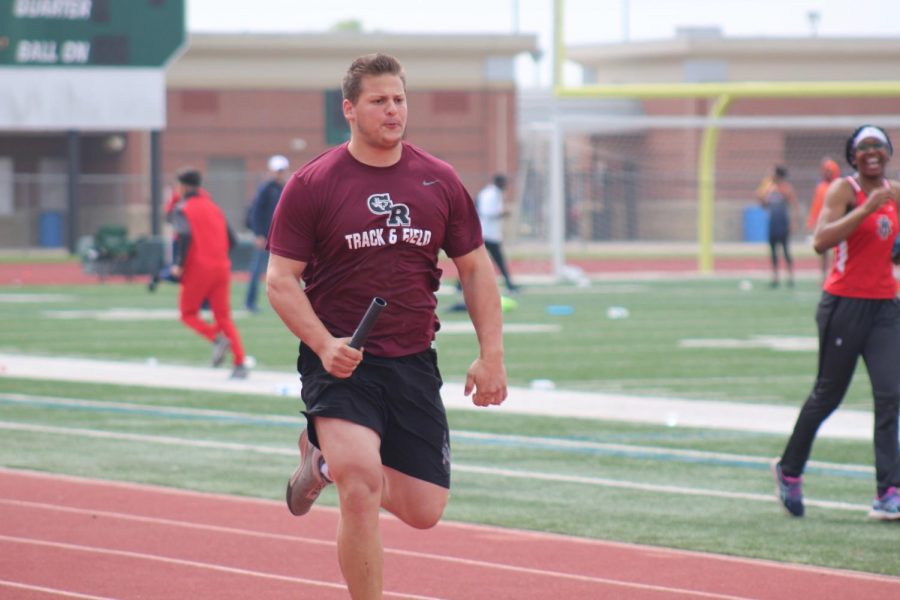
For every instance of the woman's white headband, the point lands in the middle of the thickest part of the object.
(869, 132)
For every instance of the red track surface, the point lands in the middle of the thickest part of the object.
(71, 273)
(68, 273)
(68, 537)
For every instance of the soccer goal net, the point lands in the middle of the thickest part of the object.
(666, 170)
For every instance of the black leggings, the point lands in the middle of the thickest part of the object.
(496, 253)
(850, 328)
(774, 242)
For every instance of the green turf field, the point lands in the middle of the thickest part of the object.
(688, 488)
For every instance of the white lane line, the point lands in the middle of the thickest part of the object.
(280, 537)
(150, 439)
(680, 552)
(193, 564)
(482, 564)
(51, 591)
(514, 533)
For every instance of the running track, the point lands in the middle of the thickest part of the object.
(64, 537)
(70, 273)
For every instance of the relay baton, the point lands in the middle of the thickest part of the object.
(367, 322)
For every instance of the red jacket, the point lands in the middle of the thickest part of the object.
(204, 237)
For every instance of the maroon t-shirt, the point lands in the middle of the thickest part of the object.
(375, 231)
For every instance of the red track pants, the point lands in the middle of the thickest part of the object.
(213, 285)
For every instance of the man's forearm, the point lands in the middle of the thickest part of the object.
(483, 303)
(290, 302)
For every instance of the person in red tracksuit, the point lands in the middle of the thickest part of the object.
(201, 262)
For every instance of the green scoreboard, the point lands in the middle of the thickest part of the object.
(90, 33)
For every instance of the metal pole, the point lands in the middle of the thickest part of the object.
(557, 45)
(557, 152)
(155, 181)
(73, 139)
(557, 201)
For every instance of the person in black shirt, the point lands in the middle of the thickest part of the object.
(260, 218)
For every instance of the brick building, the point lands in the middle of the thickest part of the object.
(232, 100)
(632, 163)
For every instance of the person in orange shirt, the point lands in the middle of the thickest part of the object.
(829, 170)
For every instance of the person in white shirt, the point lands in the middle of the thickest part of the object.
(491, 212)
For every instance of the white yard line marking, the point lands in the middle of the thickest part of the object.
(707, 414)
(165, 314)
(34, 298)
(552, 443)
(648, 487)
(150, 439)
(149, 408)
(462, 468)
(527, 441)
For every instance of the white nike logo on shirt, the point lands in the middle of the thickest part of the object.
(432, 182)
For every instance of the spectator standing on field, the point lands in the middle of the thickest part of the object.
(261, 211)
(777, 196)
(491, 212)
(202, 265)
(829, 171)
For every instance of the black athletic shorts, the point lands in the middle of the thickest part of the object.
(398, 398)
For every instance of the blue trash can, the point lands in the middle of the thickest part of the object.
(756, 224)
(51, 229)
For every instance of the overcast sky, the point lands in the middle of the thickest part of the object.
(586, 21)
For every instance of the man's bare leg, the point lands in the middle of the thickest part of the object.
(354, 464)
(417, 503)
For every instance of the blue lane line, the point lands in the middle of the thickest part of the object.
(637, 453)
(162, 412)
(470, 438)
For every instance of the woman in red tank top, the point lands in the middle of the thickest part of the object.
(857, 316)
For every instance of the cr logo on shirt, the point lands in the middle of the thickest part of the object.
(381, 204)
(884, 227)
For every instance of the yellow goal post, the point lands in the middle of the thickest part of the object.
(721, 97)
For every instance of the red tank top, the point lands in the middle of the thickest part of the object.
(862, 265)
